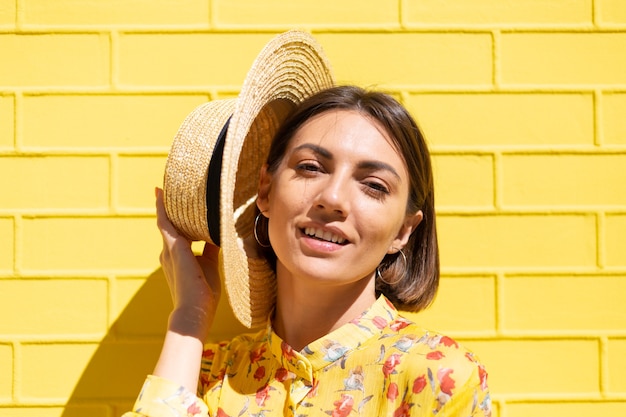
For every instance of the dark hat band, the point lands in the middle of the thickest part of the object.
(213, 186)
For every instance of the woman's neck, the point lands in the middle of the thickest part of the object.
(306, 312)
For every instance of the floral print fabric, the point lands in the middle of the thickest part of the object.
(379, 364)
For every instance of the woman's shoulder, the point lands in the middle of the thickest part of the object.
(432, 353)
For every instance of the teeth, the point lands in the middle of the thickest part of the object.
(324, 235)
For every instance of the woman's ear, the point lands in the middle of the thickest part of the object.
(411, 222)
(262, 199)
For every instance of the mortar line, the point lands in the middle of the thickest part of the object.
(600, 240)
(497, 181)
(499, 301)
(604, 365)
(495, 56)
(598, 131)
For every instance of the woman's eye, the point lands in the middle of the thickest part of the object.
(308, 167)
(376, 188)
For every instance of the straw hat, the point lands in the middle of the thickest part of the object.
(212, 171)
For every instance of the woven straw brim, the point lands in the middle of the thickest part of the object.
(289, 69)
(186, 168)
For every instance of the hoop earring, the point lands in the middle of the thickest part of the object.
(380, 276)
(256, 235)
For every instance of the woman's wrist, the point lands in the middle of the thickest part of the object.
(191, 321)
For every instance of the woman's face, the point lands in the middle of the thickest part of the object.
(337, 202)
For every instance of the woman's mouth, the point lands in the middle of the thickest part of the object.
(324, 235)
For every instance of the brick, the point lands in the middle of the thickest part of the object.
(53, 306)
(566, 408)
(309, 12)
(7, 239)
(6, 369)
(475, 294)
(426, 59)
(611, 11)
(88, 121)
(8, 14)
(86, 371)
(7, 122)
(503, 119)
(495, 12)
(463, 180)
(562, 58)
(136, 178)
(137, 359)
(615, 244)
(89, 244)
(46, 63)
(49, 182)
(617, 363)
(612, 118)
(137, 299)
(65, 361)
(495, 241)
(115, 12)
(563, 180)
(564, 303)
(66, 411)
(188, 59)
(540, 366)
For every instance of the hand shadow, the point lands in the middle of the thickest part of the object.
(127, 354)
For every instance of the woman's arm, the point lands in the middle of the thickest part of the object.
(195, 288)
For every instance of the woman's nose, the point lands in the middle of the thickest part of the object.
(333, 194)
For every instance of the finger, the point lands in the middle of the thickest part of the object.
(166, 227)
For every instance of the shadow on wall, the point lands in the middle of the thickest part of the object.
(112, 379)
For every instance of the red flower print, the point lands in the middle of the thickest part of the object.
(281, 374)
(398, 324)
(445, 381)
(260, 373)
(419, 384)
(343, 407)
(390, 364)
(208, 354)
(287, 351)
(313, 392)
(482, 375)
(193, 409)
(221, 413)
(446, 341)
(435, 356)
(379, 322)
(257, 354)
(403, 410)
(262, 394)
(392, 391)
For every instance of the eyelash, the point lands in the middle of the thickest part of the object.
(373, 189)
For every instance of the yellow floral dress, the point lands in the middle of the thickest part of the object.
(379, 364)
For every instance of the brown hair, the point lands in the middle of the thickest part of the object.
(415, 281)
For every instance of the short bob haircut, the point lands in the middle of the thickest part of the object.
(414, 282)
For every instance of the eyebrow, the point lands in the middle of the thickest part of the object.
(369, 165)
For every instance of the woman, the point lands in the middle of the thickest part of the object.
(346, 217)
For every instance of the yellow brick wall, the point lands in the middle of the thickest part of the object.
(523, 102)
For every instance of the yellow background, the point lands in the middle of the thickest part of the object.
(522, 101)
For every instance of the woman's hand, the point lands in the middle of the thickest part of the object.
(195, 287)
(193, 280)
